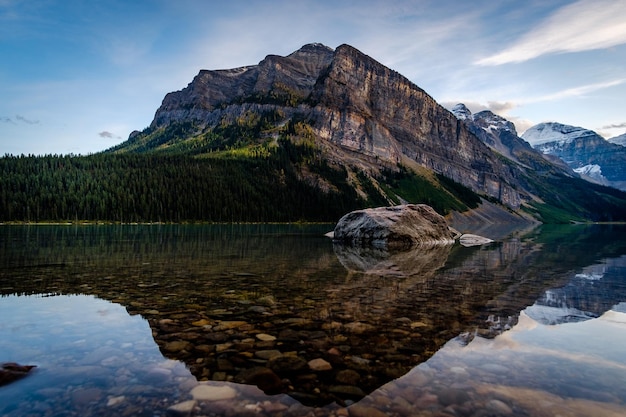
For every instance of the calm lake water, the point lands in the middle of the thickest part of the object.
(273, 320)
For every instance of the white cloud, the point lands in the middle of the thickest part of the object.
(576, 91)
(581, 26)
(615, 126)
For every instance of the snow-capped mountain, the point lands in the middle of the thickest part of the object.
(587, 153)
(500, 135)
(619, 140)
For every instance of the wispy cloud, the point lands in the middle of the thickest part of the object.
(576, 91)
(615, 126)
(25, 120)
(18, 119)
(581, 26)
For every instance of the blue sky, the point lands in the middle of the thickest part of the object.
(77, 76)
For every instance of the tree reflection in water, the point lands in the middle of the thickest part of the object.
(230, 301)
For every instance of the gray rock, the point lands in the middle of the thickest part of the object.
(181, 409)
(213, 392)
(468, 240)
(397, 227)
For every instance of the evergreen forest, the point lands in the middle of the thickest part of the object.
(167, 188)
(247, 172)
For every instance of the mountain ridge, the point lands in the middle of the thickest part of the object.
(583, 150)
(362, 117)
(355, 105)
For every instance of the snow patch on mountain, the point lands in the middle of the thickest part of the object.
(591, 170)
(461, 112)
(557, 134)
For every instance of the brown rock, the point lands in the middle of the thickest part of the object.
(348, 377)
(177, 346)
(320, 365)
(287, 364)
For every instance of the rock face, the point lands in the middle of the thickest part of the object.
(213, 93)
(365, 106)
(362, 119)
(397, 227)
(350, 103)
(587, 153)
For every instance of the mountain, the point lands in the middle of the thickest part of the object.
(500, 135)
(587, 153)
(618, 140)
(356, 109)
(329, 117)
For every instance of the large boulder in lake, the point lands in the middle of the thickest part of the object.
(397, 227)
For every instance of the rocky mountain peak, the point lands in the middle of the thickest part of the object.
(311, 50)
(491, 121)
(583, 150)
(486, 119)
(357, 113)
(461, 112)
(500, 135)
(555, 132)
(289, 78)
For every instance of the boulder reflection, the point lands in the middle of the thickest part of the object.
(256, 305)
(419, 261)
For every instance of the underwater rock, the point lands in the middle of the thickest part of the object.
(11, 371)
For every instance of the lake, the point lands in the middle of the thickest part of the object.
(275, 320)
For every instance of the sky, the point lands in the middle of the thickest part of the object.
(78, 76)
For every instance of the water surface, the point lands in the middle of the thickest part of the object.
(267, 319)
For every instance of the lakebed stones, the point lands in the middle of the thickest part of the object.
(291, 350)
(398, 227)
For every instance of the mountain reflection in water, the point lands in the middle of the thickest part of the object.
(256, 304)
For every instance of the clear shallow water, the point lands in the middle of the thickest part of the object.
(171, 320)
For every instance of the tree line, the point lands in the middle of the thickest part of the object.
(154, 187)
